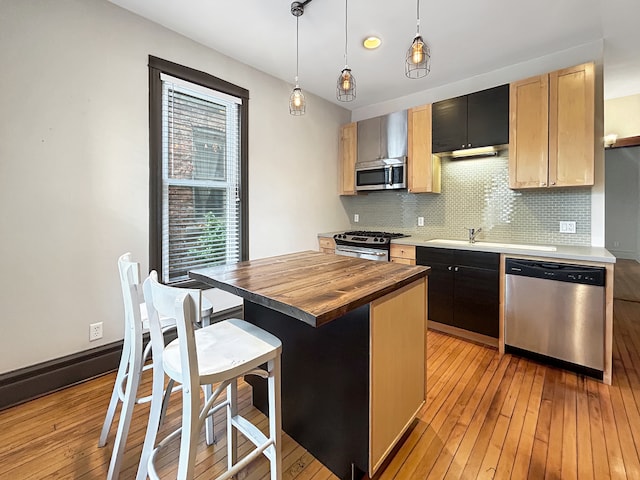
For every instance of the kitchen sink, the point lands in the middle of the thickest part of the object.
(443, 241)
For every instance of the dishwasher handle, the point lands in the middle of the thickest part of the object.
(561, 272)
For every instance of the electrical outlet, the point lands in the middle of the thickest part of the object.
(616, 244)
(567, 227)
(421, 221)
(356, 217)
(95, 331)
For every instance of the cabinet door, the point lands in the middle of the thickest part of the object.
(449, 119)
(348, 153)
(423, 174)
(571, 126)
(488, 117)
(528, 133)
(440, 301)
(476, 300)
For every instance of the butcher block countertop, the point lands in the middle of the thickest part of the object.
(311, 286)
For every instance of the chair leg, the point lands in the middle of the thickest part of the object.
(190, 432)
(129, 401)
(232, 434)
(275, 417)
(154, 420)
(209, 433)
(125, 360)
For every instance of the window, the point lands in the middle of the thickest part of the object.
(198, 159)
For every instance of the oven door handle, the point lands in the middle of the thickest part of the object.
(359, 252)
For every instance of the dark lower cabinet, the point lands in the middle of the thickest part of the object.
(464, 288)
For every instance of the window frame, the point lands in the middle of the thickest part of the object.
(158, 66)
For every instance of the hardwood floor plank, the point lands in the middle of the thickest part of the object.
(569, 427)
(553, 469)
(484, 436)
(525, 443)
(583, 432)
(614, 450)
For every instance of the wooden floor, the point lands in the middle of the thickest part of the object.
(486, 417)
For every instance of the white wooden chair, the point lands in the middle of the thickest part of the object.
(219, 353)
(132, 362)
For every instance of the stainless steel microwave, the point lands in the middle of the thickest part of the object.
(382, 174)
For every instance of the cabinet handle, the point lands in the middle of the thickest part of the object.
(462, 146)
(468, 145)
(542, 184)
(553, 183)
(455, 269)
(449, 268)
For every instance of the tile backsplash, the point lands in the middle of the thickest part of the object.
(476, 193)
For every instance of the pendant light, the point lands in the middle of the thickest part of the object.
(346, 88)
(297, 104)
(418, 61)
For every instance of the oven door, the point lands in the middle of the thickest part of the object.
(379, 255)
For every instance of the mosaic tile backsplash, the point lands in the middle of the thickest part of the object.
(476, 193)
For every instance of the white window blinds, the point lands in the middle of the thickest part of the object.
(200, 178)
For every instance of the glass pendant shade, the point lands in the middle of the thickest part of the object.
(346, 88)
(418, 61)
(297, 104)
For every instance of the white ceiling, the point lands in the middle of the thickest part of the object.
(467, 38)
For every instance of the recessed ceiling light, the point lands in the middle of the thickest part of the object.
(371, 43)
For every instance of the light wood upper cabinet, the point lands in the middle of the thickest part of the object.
(552, 125)
(423, 168)
(572, 126)
(348, 155)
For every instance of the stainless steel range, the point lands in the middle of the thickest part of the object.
(364, 244)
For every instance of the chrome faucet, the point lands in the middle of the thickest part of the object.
(473, 232)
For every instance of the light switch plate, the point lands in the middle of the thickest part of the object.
(356, 218)
(567, 227)
(421, 221)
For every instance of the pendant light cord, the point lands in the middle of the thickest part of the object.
(297, 49)
(418, 16)
(346, 17)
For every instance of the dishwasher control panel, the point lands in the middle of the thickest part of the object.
(560, 272)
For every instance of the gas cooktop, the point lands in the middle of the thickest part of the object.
(364, 237)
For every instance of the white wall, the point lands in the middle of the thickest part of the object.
(623, 202)
(74, 166)
(622, 116)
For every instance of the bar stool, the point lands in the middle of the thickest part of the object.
(219, 353)
(132, 363)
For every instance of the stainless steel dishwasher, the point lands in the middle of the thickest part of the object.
(556, 310)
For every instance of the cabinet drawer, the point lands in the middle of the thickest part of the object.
(403, 251)
(403, 261)
(428, 255)
(326, 243)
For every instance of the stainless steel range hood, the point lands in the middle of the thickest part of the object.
(383, 137)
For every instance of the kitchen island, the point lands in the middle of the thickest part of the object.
(353, 349)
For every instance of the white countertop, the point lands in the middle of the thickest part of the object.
(565, 252)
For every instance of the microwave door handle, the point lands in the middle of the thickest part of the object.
(389, 175)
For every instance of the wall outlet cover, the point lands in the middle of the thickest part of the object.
(356, 217)
(421, 221)
(567, 227)
(95, 331)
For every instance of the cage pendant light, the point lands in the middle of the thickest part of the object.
(297, 103)
(418, 61)
(346, 87)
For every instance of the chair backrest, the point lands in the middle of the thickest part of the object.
(131, 295)
(184, 305)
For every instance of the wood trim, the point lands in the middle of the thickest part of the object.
(626, 142)
(397, 362)
(35, 381)
(503, 305)
(462, 333)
